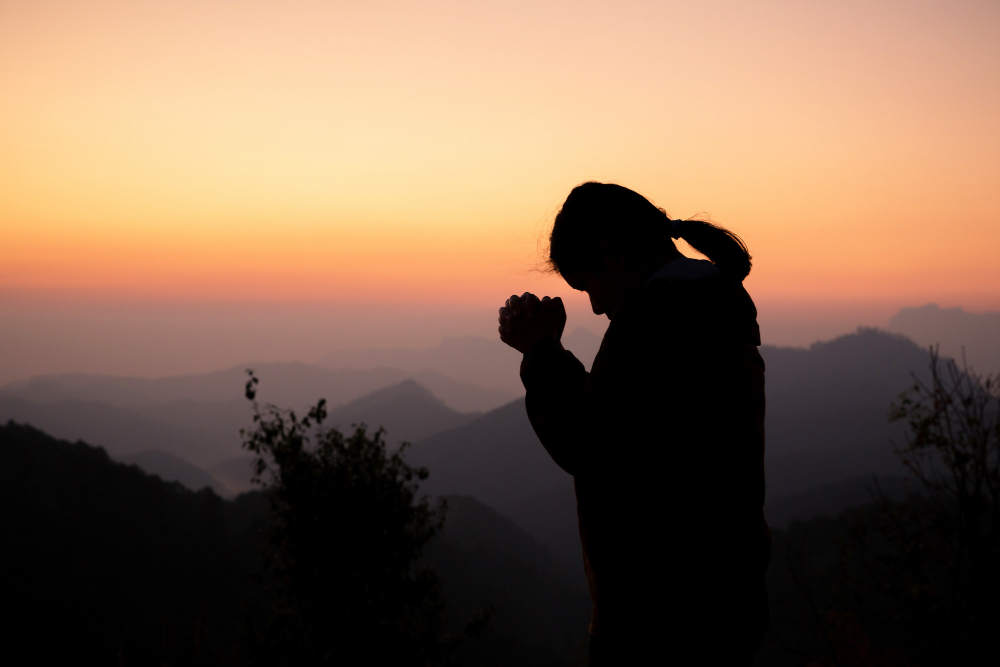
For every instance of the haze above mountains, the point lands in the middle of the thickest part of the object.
(954, 329)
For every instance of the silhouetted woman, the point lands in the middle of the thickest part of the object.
(664, 436)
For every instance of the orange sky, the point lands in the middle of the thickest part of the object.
(227, 152)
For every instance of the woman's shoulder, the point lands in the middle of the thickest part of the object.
(712, 306)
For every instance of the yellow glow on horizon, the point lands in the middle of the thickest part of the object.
(303, 150)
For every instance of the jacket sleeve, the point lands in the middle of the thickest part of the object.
(572, 411)
(554, 380)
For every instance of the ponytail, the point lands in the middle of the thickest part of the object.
(598, 218)
(725, 249)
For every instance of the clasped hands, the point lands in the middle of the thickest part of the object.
(526, 320)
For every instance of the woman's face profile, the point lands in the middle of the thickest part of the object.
(602, 290)
(610, 284)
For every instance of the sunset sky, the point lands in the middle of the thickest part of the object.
(382, 173)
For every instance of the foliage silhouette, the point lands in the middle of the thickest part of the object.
(345, 532)
(911, 582)
(932, 563)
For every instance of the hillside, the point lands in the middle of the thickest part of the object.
(827, 408)
(125, 432)
(171, 468)
(134, 570)
(496, 458)
(541, 606)
(130, 569)
(550, 517)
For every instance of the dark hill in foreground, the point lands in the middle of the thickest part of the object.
(107, 565)
(542, 606)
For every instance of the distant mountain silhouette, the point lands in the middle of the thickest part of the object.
(953, 329)
(463, 396)
(235, 473)
(104, 564)
(497, 458)
(171, 468)
(475, 360)
(203, 439)
(874, 362)
(216, 421)
(407, 410)
(288, 384)
(122, 432)
(471, 359)
(827, 408)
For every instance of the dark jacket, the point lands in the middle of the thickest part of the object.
(665, 441)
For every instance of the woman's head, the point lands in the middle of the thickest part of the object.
(598, 219)
(607, 238)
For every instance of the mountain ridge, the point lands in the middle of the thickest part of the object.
(289, 384)
(206, 436)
